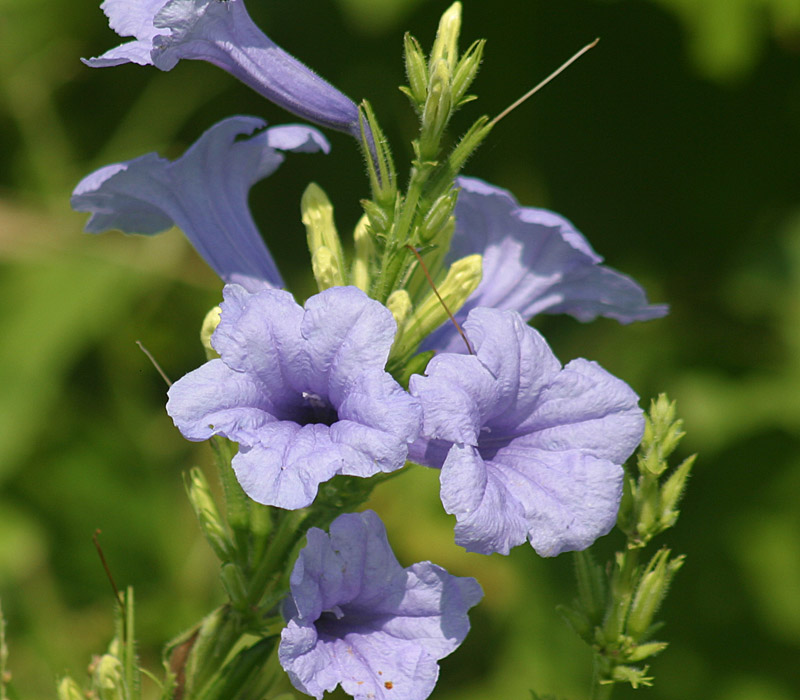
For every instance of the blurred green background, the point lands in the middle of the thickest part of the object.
(674, 146)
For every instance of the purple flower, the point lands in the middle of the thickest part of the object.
(221, 32)
(358, 619)
(302, 390)
(528, 449)
(534, 261)
(204, 193)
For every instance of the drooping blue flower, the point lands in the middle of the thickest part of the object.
(204, 193)
(529, 450)
(221, 32)
(359, 620)
(534, 261)
(302, 390)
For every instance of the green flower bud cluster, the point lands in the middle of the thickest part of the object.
(114, 675)
(401, 243)
(617, 604)
(650, 506)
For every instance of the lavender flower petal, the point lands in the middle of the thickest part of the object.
(359, 620)
(534, 261)
(303, 390)
(204, 193)
(222, 33)
(528, 449)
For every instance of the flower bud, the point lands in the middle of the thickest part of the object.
(379, 217)
(234, 586)
(465, 72)
(208, 516)
(438, 108)
(317, 216)
(645, 651)
(650, 592)
(107, 680)
(399, 303)
(439, 222)
(416, 71)
(210, 323)
(68, 689)
(462, 279)
(445, 45)
(672, 490)
(324, 267)
(364, 254)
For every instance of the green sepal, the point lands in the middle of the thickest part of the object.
(68, 689)
(380, 164)
(416, 71)
(592, 587)
(436, 113)
(578, 621)
(205, 509)
(630, 674)
(650, 592)
(465, 73)
(672, 492)
(445, 45)
(644, 651)
(240, 671)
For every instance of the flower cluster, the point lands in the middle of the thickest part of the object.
(527, 449)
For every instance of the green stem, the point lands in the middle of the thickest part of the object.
(600, 691)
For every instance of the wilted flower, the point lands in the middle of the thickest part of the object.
(204, 193)
(302, 390)
(529, 450)
(359, 620)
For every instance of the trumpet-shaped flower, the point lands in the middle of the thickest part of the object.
(221, 32)
(358, 619)
(534, 261)
(528, 449)
(302, 390)
(204, 193)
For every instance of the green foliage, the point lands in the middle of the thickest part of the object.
(617, 603)
(691, 187)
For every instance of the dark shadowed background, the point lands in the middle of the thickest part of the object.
(674, 146)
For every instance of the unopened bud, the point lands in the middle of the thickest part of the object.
(438, 108)
(465, 72)
(439, 222)
(210, 323)
(317, 216)
(462, 279)
(416, 71)
(233, 584)
(108, 681)
(68, 689)
(445, 46)
(207, 513)
(672, 490)
(379, 217)
(650, 592)
(325, 269)
(399, 303)
(645, 651)
(364, 254)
